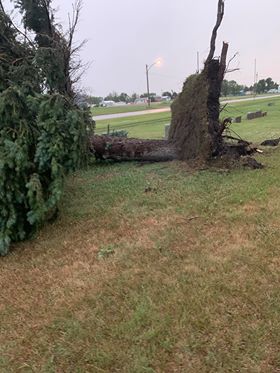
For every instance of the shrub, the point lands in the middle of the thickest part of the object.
(117, 133)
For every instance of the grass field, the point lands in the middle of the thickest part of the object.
(127, 108)
(152, 125)
(144, 126)
(158, 269)
(132, 108)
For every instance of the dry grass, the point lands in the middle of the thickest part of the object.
(184, 278)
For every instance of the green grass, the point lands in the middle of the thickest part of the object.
(127, 108)
(159, 268)
(132, 108)
(184, 278)
(144, 126)
(257, 129)
(223, 98)
(152, 125)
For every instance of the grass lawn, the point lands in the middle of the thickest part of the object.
(132, 108)
(158, 269)
(144, 126)
(152, 125)
(127, 108)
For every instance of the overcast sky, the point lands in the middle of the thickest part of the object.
(124, 35)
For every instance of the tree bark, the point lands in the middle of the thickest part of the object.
(195, 129)
(122, 149)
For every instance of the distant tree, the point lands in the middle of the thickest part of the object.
(114, 96)
(225, 88)
(264, 85)
(145, 95)
(270, 84)
(167, 94)
(261, 86)
(92, 100)
(124, 97)
(231, 88)
(247, 89)
(134, 97)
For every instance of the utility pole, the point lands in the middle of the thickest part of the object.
(148, 85)
(148, 68)
(255, 77)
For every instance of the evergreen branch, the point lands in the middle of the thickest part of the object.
(14, 26)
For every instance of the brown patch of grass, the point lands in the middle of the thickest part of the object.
(191, 282)
(250, 208)
(228, 238)
(51, 281)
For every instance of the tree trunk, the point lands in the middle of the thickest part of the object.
(122, 149)
(195, 128)
(195, 131)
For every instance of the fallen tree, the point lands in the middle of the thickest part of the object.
(122, 149)
(196, 130)
(195, 127)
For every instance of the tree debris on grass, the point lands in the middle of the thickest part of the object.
(196, 131)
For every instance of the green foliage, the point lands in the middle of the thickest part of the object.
(114, 96)
(92, 100)
(43, 134)
(41, 139)
(117, 133)
(36, 17)
(231, 88)
(265, 85)
(51, 61)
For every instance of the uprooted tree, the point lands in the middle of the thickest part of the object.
(43, 134)
(196, 130)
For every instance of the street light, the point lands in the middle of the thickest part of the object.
(148, 68)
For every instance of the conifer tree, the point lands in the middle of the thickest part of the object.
(43, 134)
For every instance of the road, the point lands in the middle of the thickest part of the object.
(167, 109)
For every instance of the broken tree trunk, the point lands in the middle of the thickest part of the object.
(195, 131)
(195, 128)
